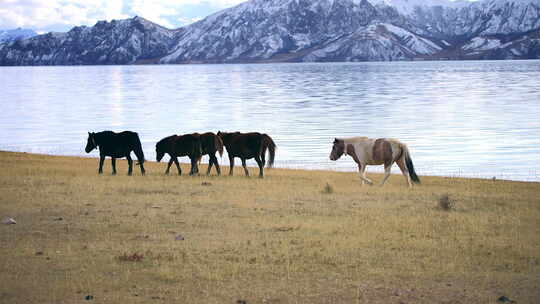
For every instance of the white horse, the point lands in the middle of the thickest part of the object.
(381, 151)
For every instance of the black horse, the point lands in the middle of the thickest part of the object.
(211, 143)
(246, 146)
(183, 145)
(116, 145)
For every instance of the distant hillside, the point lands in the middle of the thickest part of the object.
(15, 34)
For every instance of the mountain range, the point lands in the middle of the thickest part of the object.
(301, 31)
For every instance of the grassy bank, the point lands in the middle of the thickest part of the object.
(294, 237)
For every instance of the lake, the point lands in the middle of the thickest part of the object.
(462, 119)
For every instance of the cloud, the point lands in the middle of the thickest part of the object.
(175, 13)
(42, 15)
(184, 20)
(156, 11)
(39, 14)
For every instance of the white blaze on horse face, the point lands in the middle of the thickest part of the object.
(345, 148)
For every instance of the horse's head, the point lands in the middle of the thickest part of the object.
(164, 146)
(90, 142)
(223, 135)
(160, 150)
(337, 149)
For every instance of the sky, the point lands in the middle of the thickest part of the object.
(61, 15)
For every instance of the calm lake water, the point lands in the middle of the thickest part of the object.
(468, 119)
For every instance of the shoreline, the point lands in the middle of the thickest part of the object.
(224, 165)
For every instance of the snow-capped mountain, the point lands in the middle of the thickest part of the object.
(351, 30)
(488, 17)
(15, 34)
(116, 42)
(302, 30)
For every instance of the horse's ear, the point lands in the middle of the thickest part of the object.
(336, 140)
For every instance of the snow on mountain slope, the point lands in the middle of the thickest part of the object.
(482, 44)
(409, 6)
(261, 29)
(380, 42)
(478, 18)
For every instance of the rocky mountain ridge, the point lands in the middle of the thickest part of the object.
(302, 31)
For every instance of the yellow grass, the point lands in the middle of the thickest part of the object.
(294, 237)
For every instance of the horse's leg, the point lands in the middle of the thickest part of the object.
(101, 160)
(217, 165)
(231, 164)
(175, 159)
(143, 172)
(261, 166)
(362, 168)
(387, 169)
(210, 163)
(140, 158)
(194, 168)
(113, 163)
(130, 164)
(263, 157)
(245, 167)
(401, 164)
(169, 166)
(361, 172)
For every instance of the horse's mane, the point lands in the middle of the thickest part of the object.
(166, 139)
(355, 139)
(99, 134)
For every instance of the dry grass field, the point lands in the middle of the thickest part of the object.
(294, 237)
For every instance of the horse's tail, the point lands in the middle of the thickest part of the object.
(138, 150)
(409, 164)
(219, 145)
(268, 143)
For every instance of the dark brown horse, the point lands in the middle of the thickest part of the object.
(116, 145)
(247, 146)
(183, 145)
(211, 143)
